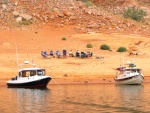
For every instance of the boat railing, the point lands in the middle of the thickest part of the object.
(26, 63)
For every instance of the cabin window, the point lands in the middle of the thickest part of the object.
(134, 71)
(139, 71)
(25, 73)
(32, 73)
(41, 72)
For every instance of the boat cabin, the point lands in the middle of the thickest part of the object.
(28, 72)
(132, 70)
(128, 71)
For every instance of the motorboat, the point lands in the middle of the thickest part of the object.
(31, 77)
(129, 75)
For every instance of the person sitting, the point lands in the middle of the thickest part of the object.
(83, 54)
(70, 53)
(51, 53)
(77, 54)
(91, 54)
(58, 54)
(44, 54)
(88, 54)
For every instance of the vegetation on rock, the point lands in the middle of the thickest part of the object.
(104, 47)
(89, 46)
(135, 13)
(121, 49)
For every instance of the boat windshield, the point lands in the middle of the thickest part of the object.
(27, 73)
(133, 70)
(40, 72)
(32, 73)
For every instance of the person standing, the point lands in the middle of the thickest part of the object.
(64, 53)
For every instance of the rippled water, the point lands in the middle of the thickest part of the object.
(89, 98)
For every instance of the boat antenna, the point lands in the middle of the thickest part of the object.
(134, 58)
(123, 59)
(17, 55)
(122, 65)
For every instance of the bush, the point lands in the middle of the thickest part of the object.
(105, 47)
(88, 3)
(121, 49)
(64, 38)
(135, 13)
(89, 46)
(27, 22)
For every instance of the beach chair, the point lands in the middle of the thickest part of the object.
(89, 54)
(77, 54)
(83, 54)
(44, 54)
(58, 54)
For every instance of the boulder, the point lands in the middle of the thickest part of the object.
(18, 19)
(66, 12)
(4, 7)
(93, 25)
(25, 16)
(59, 13)
(15, 13)
(16, 3)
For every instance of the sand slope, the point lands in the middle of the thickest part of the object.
(30, 43)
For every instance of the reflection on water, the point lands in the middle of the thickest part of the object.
(32, 100)
(91, 98)
(130, 97)
(130, 91)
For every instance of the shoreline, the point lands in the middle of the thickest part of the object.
(72, 82)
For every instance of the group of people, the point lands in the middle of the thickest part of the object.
(64, 54)
(83, 54)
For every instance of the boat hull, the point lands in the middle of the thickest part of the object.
(133, 80)
(41, 83)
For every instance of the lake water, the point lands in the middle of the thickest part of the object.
(87, 98)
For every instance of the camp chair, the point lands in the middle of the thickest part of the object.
(44, 54)
(89, 54)
(58, 54)
(77, 54)
(83, 55)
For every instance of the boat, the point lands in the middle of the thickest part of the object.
(30, 77)
(130, 75)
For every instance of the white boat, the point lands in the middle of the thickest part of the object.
(129, 75)
(33, 77)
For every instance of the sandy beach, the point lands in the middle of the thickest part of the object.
(71, 70)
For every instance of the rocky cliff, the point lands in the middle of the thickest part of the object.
(100, 16)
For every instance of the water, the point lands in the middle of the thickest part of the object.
(89, 98)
